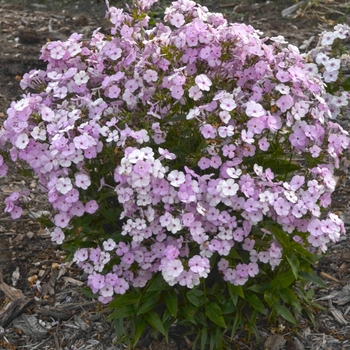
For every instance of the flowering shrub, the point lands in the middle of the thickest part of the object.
(188, 165)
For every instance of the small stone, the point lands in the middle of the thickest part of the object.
(32, 185)
(30, 234)
(275, 342)
(32, 279)
(54, 266)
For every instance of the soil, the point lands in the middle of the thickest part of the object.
(41, 293)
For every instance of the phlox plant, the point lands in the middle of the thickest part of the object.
(189, 166)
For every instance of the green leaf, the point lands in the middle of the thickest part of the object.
(155, 322)
(282, 166)
(309, 257)
(122, 312)
(189, 312)
(257, 288)
(166, 315)
(282, 237)
(201, 319)
(204, 337)
(294, 264)
(212, 342)
(310, 316)
(148, 302)
(254, 301)
(228, 307)
(283, 280)
(88, 293)
(346, 84)
(270, 297)
(195, 297)
(284, 312)
(214, 314)
(234, 298)
(279, 165)
(238, 321)
(123, 300)
(234, 255)
(178, 118)
(311, 277)
(119, 327)
(218, 339)
(235, 290)
(158, 284)
(171, 301)
(289, 297)
(310, 294)
(140, 325)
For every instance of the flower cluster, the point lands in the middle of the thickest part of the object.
(200, 131)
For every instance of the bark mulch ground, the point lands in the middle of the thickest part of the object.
(42, 304)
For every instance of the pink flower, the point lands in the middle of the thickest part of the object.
(171, 252)
(82, 180)
(195, 93)
(215, 162)
(285, 102)
(61, 220)
(177, 20)
(254, 109)
(121, 286)
(81, 255)
(113, 91)
(314, 227)
(296, 182)
(91, 207)
(204, 163)
(150, 75)
(57, 50)
(172, 268)
(227, 103)
(141, 167)
(253, 269)
(16, 212)
(281, 206)
(208, 131)
(199, 265)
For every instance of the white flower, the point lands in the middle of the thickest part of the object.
(176, 178)
(234, 173)
(227, 188)
(22, 141)
(203, 82)
(64, 185)
(81, 78)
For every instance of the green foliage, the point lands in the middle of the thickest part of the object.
(211, 313)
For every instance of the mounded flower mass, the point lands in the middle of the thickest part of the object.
(187, 138)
